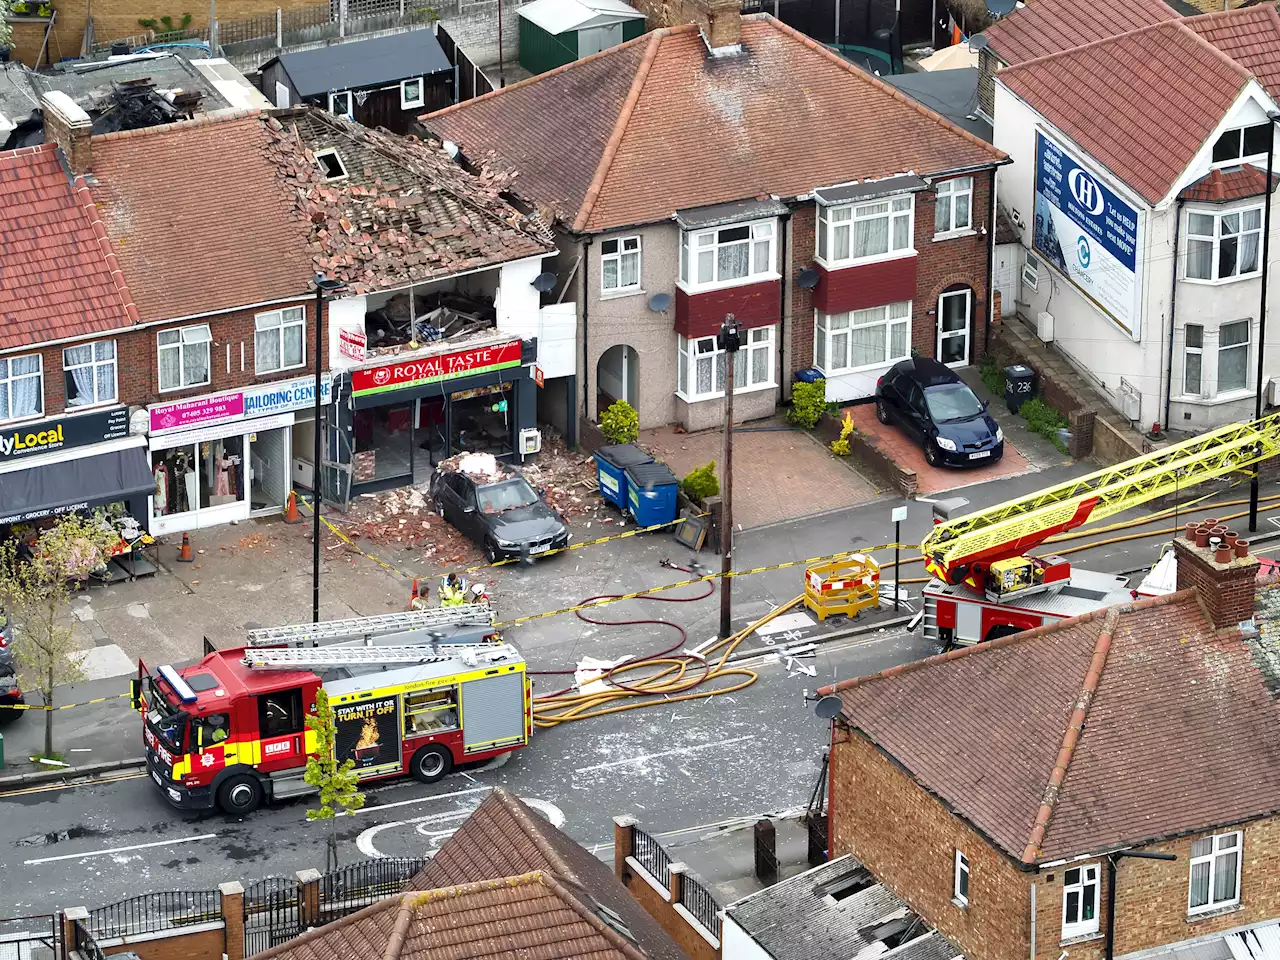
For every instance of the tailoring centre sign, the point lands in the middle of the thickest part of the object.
(1089, 233)
(417, 371)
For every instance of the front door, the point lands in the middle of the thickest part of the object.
(955, 310)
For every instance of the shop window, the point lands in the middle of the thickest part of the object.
(278, 339)
(863, 338)
(198, 476)
(90, 373)
(383, 443)
(184, 357)
(482, 420)
(21, 387)
(701, 370)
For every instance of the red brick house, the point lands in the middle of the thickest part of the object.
(738, 166)
(1014, 793)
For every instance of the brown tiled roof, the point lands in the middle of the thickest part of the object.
(694, 130)
(221, 212)
(533, 915)
(1249, 36)
(1112, 729)
(59, 277)
(1045, 27)
(1223, 186)
(1166, 90)
(502, 837)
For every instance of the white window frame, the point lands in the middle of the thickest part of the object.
(1244, 346)
(9, 378)
(1216, 239)
(961, 870)
(761, 241)
(285, 319)
(421, 101)
(1217, 851)
(1189, 351)
(952, 194)
(331, 152)
(93, 364)
(1260, 159)
(621, 252)
(846, 216)
(893, 313)
(689, 350)
(182, 344)
(350, 111)
(1081, 928)
(1031, 271)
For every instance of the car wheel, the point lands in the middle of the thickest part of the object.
(431, 763)
(931, 453)
(882, 412)
(490, 551)
(239, 796)
(438, 505)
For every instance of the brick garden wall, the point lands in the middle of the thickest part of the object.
(204, 945)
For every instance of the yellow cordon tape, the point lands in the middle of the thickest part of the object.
(63, 706)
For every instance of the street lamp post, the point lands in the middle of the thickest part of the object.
(1262, 314)
(324, 286)
(729, 340)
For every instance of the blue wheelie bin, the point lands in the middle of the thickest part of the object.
(611, 466)
(651, 493)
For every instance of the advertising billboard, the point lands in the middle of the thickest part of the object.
(368, 732)
(1089, 233)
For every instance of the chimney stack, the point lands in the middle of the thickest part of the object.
(1227, 589)
(721, 24)
(67, 125)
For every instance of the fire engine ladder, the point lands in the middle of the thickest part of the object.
(303, 658)
(961, 549)
(473, 614)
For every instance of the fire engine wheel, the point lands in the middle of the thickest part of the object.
(882, 412)
(240, 795)
(431, 763)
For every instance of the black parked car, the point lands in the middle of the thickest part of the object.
(939, 410)
(10, 692)
(496, 508)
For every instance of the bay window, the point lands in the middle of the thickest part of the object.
(1215, 872)
(89, 371)
(954, 208)
(619, 265)
(862, 338)
(1223, 245)
(727, 255)
(21, 386)
(866, 231)
(700, 367)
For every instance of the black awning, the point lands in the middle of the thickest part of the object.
(55, 488)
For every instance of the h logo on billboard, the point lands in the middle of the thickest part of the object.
(1086, 191)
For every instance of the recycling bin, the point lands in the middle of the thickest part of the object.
(611, 465)
(810, 375)
(651, 493)
(1019, 385)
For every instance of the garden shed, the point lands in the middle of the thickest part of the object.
(556, 32)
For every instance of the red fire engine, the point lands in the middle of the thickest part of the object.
(411, 693)
(984, 585)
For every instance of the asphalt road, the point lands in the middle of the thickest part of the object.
(700, 762)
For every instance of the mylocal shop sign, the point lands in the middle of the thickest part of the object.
(279, 397)
(46, 436)
(445, 366)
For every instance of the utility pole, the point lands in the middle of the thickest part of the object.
(1262, 314)
(323, 286)
(728, 340)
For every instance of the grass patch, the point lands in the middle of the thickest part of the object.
(1046, 421)
(992, 377)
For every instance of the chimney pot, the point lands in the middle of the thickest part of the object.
(1226, 582)
(67, 125)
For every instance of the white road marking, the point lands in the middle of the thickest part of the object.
(406, 803)
(664, 753)
(364, 842)
(103, 853)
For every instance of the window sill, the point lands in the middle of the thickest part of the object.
(830, 265)
(622, 294)
(188, 386)
(30, 418)
(693, 290)
(953, 235)
(737, 391)
(1080, 938)
(959, 904)
(1232, 396)
(74, 408)
(1222, 281)
(847, 371)
(272, 373)
(413, 106)
(1209, 914)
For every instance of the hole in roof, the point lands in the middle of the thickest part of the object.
(331, 164)
(894, 932)
(614, 920)
(846, 886)
(202, 681)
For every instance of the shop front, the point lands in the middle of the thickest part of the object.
(228, 456)
(403, 416)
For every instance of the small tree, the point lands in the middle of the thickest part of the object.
(335, 780)
(36, 592)
(701, 482)
(620, 423)
(6, 28)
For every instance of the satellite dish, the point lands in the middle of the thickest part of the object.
(828, 708)
(659, 302)
(544, 282)
(1001, 8)
(977, 43)
(808, 278)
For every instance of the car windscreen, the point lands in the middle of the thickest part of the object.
(952, 401)
(499, 497)
(167, 723)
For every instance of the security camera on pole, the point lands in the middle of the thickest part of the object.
(729, 339)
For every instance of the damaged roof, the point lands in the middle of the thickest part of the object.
(605, 141)
(249, 215)
(1149, 688)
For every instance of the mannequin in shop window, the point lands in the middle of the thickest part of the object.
(175, 483)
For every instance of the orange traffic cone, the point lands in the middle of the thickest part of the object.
(291, 514)
(184, 552)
